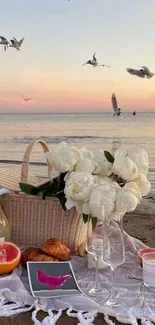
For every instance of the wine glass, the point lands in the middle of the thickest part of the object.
(113, 256)
(94, 246)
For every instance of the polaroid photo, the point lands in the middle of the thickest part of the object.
(52, 279)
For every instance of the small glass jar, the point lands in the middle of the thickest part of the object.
(4, 226)
(148, 261)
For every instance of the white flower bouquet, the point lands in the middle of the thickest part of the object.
(100, 185)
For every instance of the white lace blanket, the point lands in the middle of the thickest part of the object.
(128, 280)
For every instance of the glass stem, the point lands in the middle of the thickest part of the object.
(113, 296)
(96, 272)
(121, 224)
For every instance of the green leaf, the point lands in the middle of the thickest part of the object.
(62, 182)
(62, 199)
(94, 222)
(43, 187)
(85, 218)
(109, 156)
(29, 189)
(56, 185)
(50, 188)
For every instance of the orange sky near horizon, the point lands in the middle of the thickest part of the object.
(52, 91)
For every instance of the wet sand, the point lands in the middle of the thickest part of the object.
(25, 319)
(140, 224)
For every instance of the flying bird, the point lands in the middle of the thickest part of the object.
(135, 72)
(95, 63)
(117, 111)
(147, 72)
(144, 72)
(26, 99)
(52, 281)
(16, 44)
(5, 42)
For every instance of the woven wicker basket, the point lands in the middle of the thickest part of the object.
(33, 220)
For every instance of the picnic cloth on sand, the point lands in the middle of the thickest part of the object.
(14, 289)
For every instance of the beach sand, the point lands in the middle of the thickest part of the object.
(140, 224)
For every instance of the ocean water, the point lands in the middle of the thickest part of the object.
(90, 130)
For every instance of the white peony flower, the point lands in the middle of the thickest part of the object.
(114, 185)
(77, 190)
(63, 157)
(123, 166)
(104, 166)
(86, 208)
(133, 186)
(85, 165)
(86, 153)
(98, 194)
(126, 201)
(143, 184)
(120, 152)
(104, 180)
(102, 200)
(55, 150)
(140, 158)
(101, 180)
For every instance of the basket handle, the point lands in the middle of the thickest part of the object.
(26, 159)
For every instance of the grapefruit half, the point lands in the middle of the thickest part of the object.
(143, 251)
(9, 257)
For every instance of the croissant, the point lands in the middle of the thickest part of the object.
(54, 247)
(29, 254)
(35, 254)
(44, 258)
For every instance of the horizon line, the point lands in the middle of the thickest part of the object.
(77, 112)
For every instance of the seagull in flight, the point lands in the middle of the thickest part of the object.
(16, 44)
(5, 42)
(135, 72)
(26, 99)
(144, 72)
(117, 111)
(95, 63)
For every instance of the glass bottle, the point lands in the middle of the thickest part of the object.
(4, 226)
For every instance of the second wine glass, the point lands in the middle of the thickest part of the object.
(113, 256)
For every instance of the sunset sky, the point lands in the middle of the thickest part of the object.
(61, 35)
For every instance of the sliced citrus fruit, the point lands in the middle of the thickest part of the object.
(9, 257)
(143, 251)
